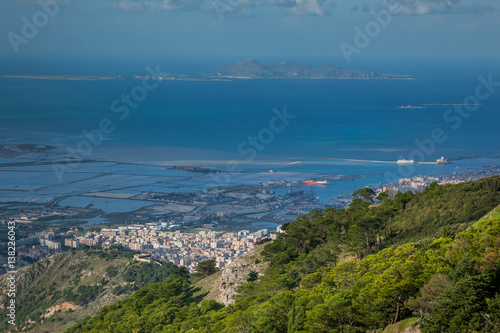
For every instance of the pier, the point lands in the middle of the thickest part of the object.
(373, 161)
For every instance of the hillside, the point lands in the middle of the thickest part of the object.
(364, 269)
(56, 292)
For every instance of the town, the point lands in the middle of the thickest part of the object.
(218, 226)
(153, 239)
(182, 249)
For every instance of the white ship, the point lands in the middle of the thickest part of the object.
(405, 161)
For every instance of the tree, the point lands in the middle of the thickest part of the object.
(111, 271)
(382, 196)
(210, 305)
(429, 295)
(335, 315)
(253, 276)
(462, 307)
(206, 268)
(365, 193)
(181, 273)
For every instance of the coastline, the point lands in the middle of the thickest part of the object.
(194, 78)
(191, 190)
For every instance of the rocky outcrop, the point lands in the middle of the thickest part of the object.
(63, 307)
(221, 286)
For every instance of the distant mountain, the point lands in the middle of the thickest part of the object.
(252, 69)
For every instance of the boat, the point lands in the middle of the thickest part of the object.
(315, 182)
(405, 161)
(411, 107)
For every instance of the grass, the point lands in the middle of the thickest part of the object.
(494, 214)
(403, 326)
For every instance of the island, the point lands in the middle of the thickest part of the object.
(245, 70)
(252, 69)
(194, 169)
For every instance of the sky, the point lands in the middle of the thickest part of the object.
(342, 30)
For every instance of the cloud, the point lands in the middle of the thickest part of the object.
(281, 3)
(241, 7)
(157, 5)
(308, 7)
(429, 7)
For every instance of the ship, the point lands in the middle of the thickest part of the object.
(412, 107)
(315, 182)
(405, 161)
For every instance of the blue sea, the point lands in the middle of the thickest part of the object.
(212, 124)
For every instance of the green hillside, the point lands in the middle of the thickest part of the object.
(56, 292)
(356, 270)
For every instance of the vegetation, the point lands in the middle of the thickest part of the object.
(84, 280)
(253, 276)
(355, 270)
(205, 268)
(143, 273)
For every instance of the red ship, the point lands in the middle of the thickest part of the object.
(317, 182)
